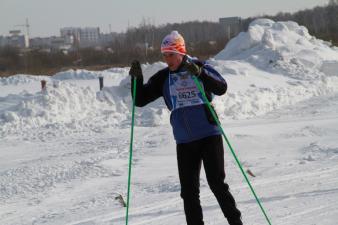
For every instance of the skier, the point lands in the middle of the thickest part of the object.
(196, 133)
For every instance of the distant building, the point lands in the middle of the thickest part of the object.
(40, 42)
(15, 40)
(107, 39)
(232, 25)
(50, 44)
(59, 43)
(71, 34)
(71, 38)
(81, 37)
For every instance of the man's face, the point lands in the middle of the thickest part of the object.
(173, 60)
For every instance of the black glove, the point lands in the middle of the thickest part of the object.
(192, 67)
(135, 69)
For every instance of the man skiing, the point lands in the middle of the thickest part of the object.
(196, 133)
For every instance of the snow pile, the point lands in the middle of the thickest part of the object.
(114, 75)
(253, 92)
(76, 75)
(282, 47)
(330, 68)
(18, 79)
(66, 106)
(81, 74)
(63, 107)
(119, 100)
(268, 49)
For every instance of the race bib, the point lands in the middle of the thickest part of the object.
(183, 90)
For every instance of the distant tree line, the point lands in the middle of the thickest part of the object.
(203, 39)
(34, 61)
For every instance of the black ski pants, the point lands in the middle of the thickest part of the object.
(190, 156)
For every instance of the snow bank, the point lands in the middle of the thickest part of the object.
(68, 107)
(280, 47)
(113, 75)
(330, 68)
(76, 75)
(65, 107)
(19, 79)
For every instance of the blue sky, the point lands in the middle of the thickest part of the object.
(46, 17)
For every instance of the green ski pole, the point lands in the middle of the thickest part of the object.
(206, 101)
(131, 148)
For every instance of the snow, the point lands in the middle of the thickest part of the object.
(64, 150)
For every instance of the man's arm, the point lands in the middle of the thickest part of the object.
(146, 93)
(212, 80)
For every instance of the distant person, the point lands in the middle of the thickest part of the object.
(196, 133)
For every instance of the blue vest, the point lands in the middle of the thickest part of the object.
(188, 111)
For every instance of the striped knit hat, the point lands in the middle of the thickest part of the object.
(173, 42)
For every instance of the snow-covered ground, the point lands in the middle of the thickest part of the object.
(64, 151)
